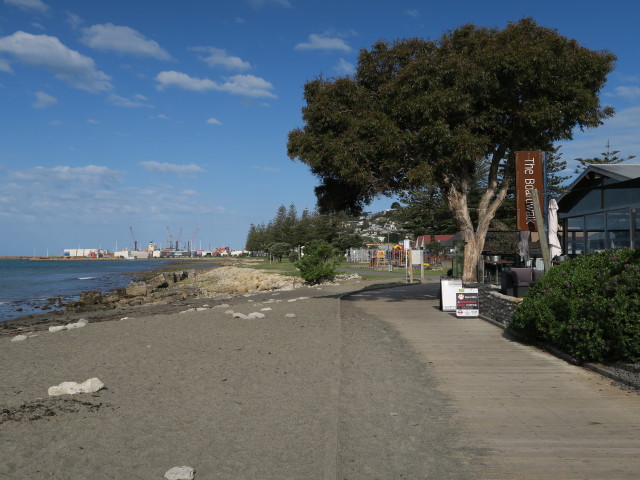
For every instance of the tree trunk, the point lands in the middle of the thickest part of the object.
(475, 237)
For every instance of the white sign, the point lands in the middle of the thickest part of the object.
(448, 289)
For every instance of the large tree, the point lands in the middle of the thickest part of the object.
(421, 112)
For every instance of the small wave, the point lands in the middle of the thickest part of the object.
(86, 278)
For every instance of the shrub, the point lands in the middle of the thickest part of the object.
(588, 306)
(319, 262)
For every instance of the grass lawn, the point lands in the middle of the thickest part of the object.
(287, 268)
(284, 268)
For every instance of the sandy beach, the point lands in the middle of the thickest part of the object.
(273, 397)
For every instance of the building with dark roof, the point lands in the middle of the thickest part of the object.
(600, 209)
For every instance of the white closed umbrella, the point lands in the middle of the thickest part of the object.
(554, 242)
(523, 245)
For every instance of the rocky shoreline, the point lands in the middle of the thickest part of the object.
(160, 292)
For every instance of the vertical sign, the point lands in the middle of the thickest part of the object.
(529, 177)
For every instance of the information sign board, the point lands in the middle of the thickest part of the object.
(448, 289)
(467, 302)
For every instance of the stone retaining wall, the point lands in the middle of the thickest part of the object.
(495, 305)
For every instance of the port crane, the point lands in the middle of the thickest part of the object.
(133, 240)
(193, 239)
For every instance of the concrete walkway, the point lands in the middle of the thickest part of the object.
(532, 415)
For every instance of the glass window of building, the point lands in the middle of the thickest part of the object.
(595, 222)
(591, 201)
(575, 235)
(618, 229)
(620, 197)
(596, 238)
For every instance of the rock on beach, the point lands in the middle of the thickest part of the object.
(229, 280)
(71, 388)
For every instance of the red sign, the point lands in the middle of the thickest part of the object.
(529, 177)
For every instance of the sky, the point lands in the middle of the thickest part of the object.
(155, 117)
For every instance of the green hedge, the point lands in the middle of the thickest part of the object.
(588, 306)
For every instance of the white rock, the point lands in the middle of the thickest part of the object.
(188, 310)
(240, 315)
(292, 300)
(302, 298)
(222, 305)
(19, 338)
(290, 315)
(124, 318)
(255, 315)
(201, 309)
(266, 309)
(57, 328)
(180, 473)
(71, 388)
(79, 324)
(230, 312)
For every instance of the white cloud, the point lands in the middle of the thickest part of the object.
(214, 121)
(74, 197)
(248, 85)
(4, 66)
(345, 68)
(114, 38)
(172, 168)
(74, 20)
(120, 101)
(35, 5)
(184, 81)
(218, 57)
(629, 93)
(44, 100)
(323, 42)
(413, 13)
(92, 121)
(245, 85)
(49, 53)
(87, 175)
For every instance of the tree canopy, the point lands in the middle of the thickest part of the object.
(609, 157)
(420, 112)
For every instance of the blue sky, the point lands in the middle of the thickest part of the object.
(156, 114)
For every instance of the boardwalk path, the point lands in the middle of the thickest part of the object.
(533, 415)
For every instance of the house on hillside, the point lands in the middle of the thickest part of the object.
(446, 241)
(601, 209)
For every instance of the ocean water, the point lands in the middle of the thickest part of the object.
(26, 284)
